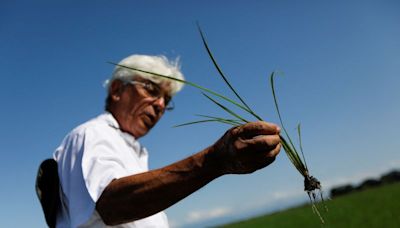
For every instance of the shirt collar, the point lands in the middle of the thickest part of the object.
(110, 120)
(128, 138)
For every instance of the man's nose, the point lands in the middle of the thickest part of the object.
(160, 104)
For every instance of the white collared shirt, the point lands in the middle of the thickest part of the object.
(89, 158)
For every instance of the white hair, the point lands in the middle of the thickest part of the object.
(155, 64)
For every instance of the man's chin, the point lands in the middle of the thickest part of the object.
(142, 129)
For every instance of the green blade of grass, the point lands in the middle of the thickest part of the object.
(301, 145)
(293, 157)
(190, 84)
(204, 121)
(222, 74)
(289, 148)
(277, 108)
(297, 162)
(225, 108)
(236, 121)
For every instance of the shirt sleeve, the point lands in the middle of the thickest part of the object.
(88, 161)
(101, 161)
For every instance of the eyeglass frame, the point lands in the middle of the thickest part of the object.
(149, 86)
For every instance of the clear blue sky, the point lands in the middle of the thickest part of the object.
(342, 74)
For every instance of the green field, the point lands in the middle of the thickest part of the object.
(375, 207)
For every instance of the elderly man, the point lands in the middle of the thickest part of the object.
(104, 176)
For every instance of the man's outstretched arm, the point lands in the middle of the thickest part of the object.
(243, 149)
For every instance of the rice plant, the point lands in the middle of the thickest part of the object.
(311, 184)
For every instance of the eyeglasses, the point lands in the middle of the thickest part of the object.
(154, 91)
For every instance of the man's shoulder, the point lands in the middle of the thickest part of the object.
(94, 131)
(100, 124)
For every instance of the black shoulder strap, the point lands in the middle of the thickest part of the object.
(47, 189)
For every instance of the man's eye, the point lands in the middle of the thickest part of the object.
(152, 89)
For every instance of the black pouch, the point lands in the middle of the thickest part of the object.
(47, 190)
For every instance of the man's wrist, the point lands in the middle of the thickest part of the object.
(213, 162)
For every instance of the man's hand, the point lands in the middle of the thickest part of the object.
(247, 148)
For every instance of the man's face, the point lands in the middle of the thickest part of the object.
(136, 108)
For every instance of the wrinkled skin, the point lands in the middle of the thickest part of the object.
(249, 147)
(136, 112)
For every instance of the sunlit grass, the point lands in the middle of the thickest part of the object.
(375, 207)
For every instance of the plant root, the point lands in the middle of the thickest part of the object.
(311, 186)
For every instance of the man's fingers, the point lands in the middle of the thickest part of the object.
(259, 143)
(269, 156)
(273, 153)
(250, 130)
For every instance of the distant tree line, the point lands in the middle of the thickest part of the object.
(391, 177)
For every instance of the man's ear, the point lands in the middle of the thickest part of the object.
(116, 89)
